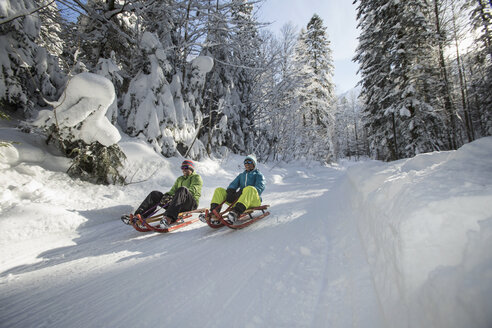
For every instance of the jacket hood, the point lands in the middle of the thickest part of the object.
(251, 157)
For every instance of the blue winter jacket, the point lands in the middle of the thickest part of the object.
(249, 178)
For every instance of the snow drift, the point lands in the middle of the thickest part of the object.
(426, 224)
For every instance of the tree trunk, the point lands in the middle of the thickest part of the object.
(464, 101)
(395, 143)
(186, 36)
(448, 103)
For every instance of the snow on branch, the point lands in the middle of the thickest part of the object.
(23, 13)
(80, 112)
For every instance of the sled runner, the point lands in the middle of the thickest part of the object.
(152, 223)
(216, 220)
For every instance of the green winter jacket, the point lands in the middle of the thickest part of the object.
(193, 182)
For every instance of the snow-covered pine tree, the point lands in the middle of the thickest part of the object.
(218, 85)
(455, 20)
(83, 132)
(348, 136)
(164, 99)
(399, 70)
(241, 111)
(444, 87)
(148, 106)
(4, 143)
(480, 67)
(28, 71)
(105, 27)
(279, 101)
(303, 145)
(231, 106)
(316, 93)
(105, 40)
(375, 86)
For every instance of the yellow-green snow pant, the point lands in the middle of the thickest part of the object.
(249, 197)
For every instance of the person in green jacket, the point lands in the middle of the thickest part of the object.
(183, 196)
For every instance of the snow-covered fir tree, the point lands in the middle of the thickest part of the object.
(105, 27)
(421, 89)
(29, 72)
(219, 82)
(106, 40)
(399, 70)
(155, 108)
(349, 137)
(163, 100)
(444, 86)
(316, 93)
(232, 88)
(288, 136)
(480, 68)
(241, 110)
(279, 105)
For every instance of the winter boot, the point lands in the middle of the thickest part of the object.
(166, 222)
(235, 213)
(231, 217)
(215, 207)
(126, 219)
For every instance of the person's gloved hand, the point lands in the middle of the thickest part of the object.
(232, 195)
(166, 199)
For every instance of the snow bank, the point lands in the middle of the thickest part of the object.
(82, 109)
(426, 223)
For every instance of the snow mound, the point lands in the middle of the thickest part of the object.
(83, 107)
(426, 220)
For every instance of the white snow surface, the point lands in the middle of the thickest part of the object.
(203, 63)
(370, 244)
(85, 101)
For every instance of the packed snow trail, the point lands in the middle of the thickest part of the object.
(294, 268)
(425, 223)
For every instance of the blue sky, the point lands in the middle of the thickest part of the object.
(338, 18)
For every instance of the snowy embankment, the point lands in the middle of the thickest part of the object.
(426, 225)
(403, 244)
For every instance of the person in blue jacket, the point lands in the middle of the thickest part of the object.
(246, 188)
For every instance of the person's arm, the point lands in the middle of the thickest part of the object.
(196, 186)
(260, 183)
(174, 187)
(235, 183)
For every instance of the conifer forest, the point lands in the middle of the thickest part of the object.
(425, 76)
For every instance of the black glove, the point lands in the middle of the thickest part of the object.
(232, 195)
(166, 199)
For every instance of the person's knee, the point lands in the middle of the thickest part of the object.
(220, 192)
(156, 193)
(250, 189)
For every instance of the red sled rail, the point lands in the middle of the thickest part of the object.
(144, 225)
(244, 220)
